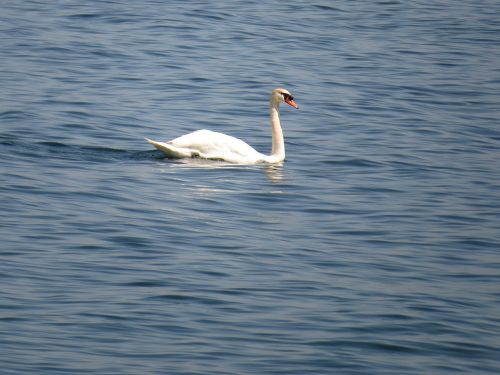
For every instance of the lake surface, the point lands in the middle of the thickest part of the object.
(374, 249)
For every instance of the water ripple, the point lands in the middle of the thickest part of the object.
(371, 250)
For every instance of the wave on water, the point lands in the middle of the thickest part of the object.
(58, 150)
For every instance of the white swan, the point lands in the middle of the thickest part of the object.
(207, 144)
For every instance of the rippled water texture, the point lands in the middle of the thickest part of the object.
(374, 249)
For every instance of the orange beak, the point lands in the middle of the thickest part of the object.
(292, 103)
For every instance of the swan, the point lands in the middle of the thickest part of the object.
(207, 144)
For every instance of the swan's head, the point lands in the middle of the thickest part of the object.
(280, 95)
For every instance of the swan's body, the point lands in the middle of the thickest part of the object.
(207, 144)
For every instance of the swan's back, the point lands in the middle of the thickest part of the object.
(214, 145)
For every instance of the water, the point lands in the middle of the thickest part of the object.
(374, 249)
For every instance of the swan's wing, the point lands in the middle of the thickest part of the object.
(214, 145)
(210, 145)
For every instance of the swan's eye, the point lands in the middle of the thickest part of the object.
(287, 97)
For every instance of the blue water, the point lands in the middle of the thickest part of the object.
(374, 249)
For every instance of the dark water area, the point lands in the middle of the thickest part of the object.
(373, 249)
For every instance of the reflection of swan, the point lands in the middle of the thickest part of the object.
(207, 144)
(274, 172)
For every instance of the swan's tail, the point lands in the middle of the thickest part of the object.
(171, 151)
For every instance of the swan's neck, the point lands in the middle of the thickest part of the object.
(278, 149)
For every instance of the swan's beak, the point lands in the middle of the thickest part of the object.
(292, 103)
